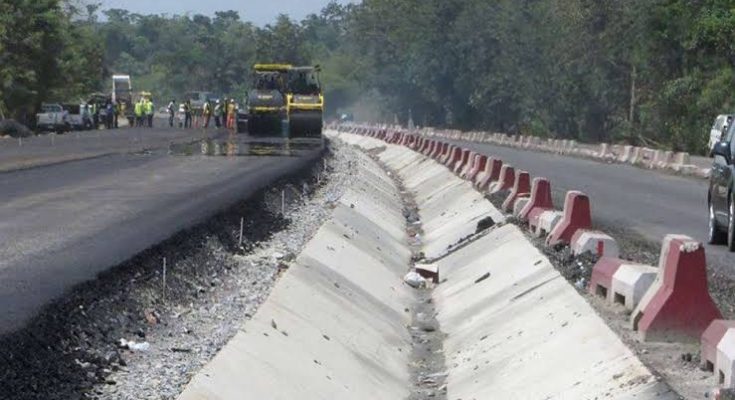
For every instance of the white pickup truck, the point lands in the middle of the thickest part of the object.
(52, 117)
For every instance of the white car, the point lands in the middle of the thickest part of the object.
(52, 117)
(721, 124)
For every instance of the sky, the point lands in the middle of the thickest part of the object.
(260, 12)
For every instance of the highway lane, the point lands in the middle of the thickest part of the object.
(51, 148)
(650, 203)
(62, 224)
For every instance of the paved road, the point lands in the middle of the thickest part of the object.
(51, 148)
(62, 224)
(649, 202)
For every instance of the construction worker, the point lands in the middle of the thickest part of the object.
(231, 109)
(171, 112)
(139, 113)
(207, 112)
(218, 114)
(109, 114)
(187, 114)
(149, 112)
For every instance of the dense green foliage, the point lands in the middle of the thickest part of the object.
(642, 71)
(47, 52)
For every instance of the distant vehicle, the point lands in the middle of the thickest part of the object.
(122, 94)
(79, 116)
(198, 99)
(721, 193)
(305, 102)
(266, 102)
(720, 126)
(52, 117)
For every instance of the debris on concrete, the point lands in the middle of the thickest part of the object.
(415, 280)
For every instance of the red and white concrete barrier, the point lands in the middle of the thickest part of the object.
(678, 304)
(521, 188)
(540, 201)
(577, 215)
(506, 180)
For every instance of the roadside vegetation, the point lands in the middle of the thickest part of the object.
(643, 72)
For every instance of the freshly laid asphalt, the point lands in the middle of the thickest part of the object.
(64, 220)
(650, 203)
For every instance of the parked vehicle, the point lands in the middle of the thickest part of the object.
(720, 196)
(52, 117)
(79, 116)
(720, 126)
(198, 99)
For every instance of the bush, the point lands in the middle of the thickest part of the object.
(14, 129)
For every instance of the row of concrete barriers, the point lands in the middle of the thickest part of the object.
(668, 303)
(644, 157)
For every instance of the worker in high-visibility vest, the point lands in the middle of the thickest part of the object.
(218, 112)
(207, 113)
(139, 113)
(231, 109)
(149, 112)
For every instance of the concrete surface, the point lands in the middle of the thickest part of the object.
(525, 333)
(334, 327)
(521, 332)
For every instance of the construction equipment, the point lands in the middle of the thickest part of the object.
(122, 95)
(304, 102)
(266, 103)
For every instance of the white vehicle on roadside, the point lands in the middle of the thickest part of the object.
(79, 116)
(720, 125)
(52, 117)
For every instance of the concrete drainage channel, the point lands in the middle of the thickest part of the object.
(341, 323)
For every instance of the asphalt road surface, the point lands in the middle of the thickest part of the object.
(62, 223)
(52, 148)
(650, 203)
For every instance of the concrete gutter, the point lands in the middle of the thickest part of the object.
(515, 328)
(335, 325)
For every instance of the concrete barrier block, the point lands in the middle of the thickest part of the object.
(602, 277)
(455, 159)
(630, 283)
(521, 187)
(547, 221)
(464, 159)
(711, 337)
(635, 156)
(472, 161)
(678, 305)
(505, 181)
(626, 154)
(519, 203)
(725, 360)
(595, 242)
(491, 174)
(540, 198)
(681, 158)
(479, 167)
(577, 215)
